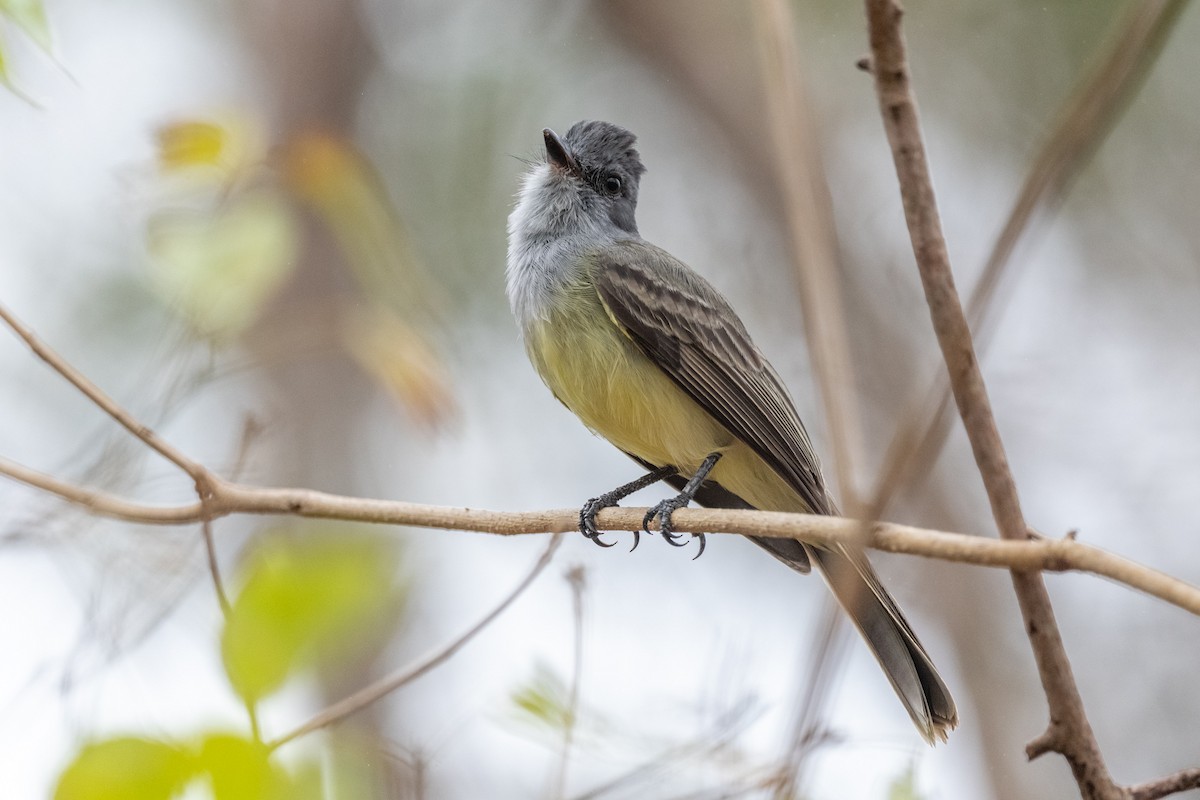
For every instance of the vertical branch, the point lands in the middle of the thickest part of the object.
(808, 215)
(576, 580)
(811, 236)
(1069, 732)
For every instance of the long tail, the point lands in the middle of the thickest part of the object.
(893, 642)
(875, 614)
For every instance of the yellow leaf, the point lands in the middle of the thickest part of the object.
(396, 356)
(222, 149)
(190, 143)
(219, 269)
(340, 184)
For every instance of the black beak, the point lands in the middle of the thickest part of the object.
(556, 152)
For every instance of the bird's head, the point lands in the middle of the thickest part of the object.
(588, 181)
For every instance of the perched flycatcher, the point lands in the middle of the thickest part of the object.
(651, 357)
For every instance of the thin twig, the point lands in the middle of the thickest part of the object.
(372, 693)
(1089, 116)
(201, 477)
(827, 648)
(1172, 784)
(1051, 555)
(102, 400)
(705, 747)
(1069, 725)
(214, 568)
(575, 579)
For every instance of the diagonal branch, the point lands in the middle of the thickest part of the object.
(1172, 784)
(1069, 733)
(106, 404)
(1090, 114)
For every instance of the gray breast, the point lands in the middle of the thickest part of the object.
(549, 233)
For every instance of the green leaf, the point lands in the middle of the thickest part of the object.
(904, 787)
(306, 601)
(125, 767)
(219, 269)
(545, 699)
(29, 16)
(242, 769)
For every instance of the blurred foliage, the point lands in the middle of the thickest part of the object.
(30, 17)
(234, 767)
(220, 267)
(401, 360)
(328, 173)
(221, 151)
(306, 601)
(126, 767)
(227, 241)
(4, 76)
(241, 769)
(232, 234)
(545, 699)
(905, 786)
(384, 334)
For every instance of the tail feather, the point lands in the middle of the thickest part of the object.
(874, 612)
(899, 652)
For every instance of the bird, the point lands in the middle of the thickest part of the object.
(650, 356)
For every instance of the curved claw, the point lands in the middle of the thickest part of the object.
(663, 511)
(699, 536)
(637, 537)
(597, 540)
(671, 537)
(587, 523)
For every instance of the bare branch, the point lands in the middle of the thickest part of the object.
(214, 568)
(1069, 725)
(1172, 784)
(201, 477)
(93, 392)
(809, 219)
(577, 581)
(1090, 114)
(1052, 555)
(372, 693)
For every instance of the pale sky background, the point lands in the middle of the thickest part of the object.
(1095, 375)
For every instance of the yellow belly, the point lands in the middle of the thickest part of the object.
(619, 393)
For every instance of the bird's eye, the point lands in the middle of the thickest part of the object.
(612, 185)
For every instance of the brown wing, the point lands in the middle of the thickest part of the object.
(692, 334)
(689, 331)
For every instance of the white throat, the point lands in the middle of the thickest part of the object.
(549, 232)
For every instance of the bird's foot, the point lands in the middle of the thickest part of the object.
(587, 518)
(587, 514)
(663, 511)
